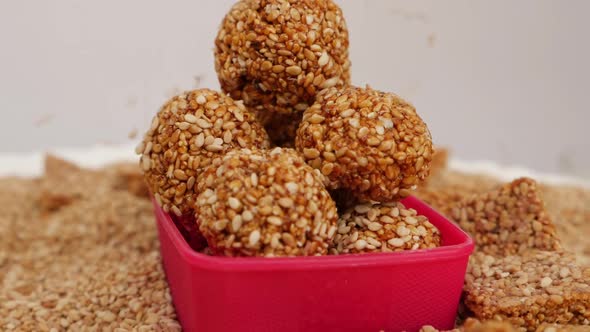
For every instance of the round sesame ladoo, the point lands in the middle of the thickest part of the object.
(189, 133)
(376, 227)
(265, 203)
(276, 54)
(368, 142)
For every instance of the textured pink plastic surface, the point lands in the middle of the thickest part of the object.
(370, 292)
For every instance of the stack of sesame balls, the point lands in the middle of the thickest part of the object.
(256, 168)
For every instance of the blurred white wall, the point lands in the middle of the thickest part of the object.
(502, 80)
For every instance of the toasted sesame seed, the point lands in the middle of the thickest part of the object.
(277, 69)
(346, 113)
(247, 215)
(289, 239)
(234, 203)
(286, 202)
(360, 244)
(176, 210)
(316, 118)
(275, 220)
(323, 60)
(254, 238)
(364, 208)
(292, 187)
(375, 226)
(203, 123)
(145, 163)
(294, 70)
(396, 242)
(330, 82)
(311, 153)
(180, 175)
(373, 141)
(214, 148)
(546, 282)
(201, 99)
(190, 118)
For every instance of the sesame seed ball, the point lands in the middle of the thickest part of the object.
(372, 143)
(281, 128)
(277, 54)
(265, 203)
(377, 227)
(189, 133)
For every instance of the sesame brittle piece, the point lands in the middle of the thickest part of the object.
(529, 289)
(508, 220)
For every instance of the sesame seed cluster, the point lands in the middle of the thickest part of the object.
(371, 143)
(284, 70)
(277, 54)
(265, 203)
(383, 227)
(190, 132)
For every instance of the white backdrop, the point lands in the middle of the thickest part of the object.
(501, 80)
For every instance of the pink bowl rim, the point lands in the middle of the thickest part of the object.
(194, 258)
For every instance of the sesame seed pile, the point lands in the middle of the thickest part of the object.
(268, 203)
(371, 143)
(79, 252)
(277, 54)
(376, 227)
(189, 133)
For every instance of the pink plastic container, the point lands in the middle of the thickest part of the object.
(371, 292)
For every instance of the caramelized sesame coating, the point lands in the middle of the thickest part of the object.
(508, 220)
(528, 290)
(188, 134)
(265, 203)
(377, 227)
(277, 54)
(372, 143)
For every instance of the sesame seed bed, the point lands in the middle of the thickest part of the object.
(277, 54)
(529, 289)
(265, 203)
(81, 252)
(376, 227)
(190, 132)
(371, 143)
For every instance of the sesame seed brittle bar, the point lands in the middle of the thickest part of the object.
(528, 290)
